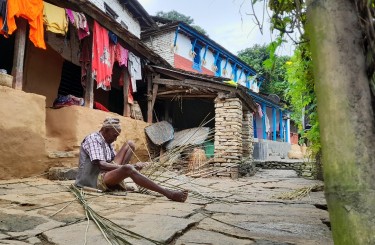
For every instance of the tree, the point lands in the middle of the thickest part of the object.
(276, 82)
(346, 117)
(345, 105)
(176, 16)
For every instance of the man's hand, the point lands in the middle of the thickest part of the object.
(140, 165)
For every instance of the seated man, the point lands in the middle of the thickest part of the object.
(100, 167)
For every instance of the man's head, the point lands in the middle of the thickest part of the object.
(111, 129)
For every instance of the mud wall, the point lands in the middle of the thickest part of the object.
(43, 72)
(22, 130)
(67, 127)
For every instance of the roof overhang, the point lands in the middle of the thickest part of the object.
(190, 83)
(132, 43)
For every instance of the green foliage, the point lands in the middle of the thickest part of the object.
(289, 16)
(301, 94)
(176, 16)
(257, 57)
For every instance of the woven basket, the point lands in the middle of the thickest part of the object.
(6, 80)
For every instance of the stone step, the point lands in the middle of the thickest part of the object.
(62, 173)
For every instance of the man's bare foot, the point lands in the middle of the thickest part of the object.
(177, 196)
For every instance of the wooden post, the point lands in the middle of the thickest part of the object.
(19, 54)
(89, 91)
(149, 98)
(126, 112)
(154, 93)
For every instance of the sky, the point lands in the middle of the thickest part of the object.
(227, 22)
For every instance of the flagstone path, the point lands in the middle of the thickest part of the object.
(243, 211)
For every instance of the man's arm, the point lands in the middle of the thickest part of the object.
(105, 166)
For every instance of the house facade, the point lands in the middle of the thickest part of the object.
(189, 80)
(47, 73)
(187, 49)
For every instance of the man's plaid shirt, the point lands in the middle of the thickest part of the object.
(97, 149)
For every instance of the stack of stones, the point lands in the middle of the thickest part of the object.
(228, 136)
(247, 135)
(247, 166)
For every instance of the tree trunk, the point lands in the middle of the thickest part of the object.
(346, 119)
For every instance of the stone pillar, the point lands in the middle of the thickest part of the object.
(228, 136)
(247, 166)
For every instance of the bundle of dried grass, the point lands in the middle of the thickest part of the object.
(197, 160)
(299, 193)
(113, 233)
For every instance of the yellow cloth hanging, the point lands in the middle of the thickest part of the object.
(55, 19)
(231, 83)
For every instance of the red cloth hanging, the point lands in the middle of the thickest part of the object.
(102, 62)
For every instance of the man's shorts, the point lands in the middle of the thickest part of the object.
(103, 187)
(100, 182)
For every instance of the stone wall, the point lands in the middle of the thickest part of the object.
(228, 136)
(162, 45)
(247, 166)
(304, 169)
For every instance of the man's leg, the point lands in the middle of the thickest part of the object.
(114, 177)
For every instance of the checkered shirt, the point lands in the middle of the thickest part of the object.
(97, 149)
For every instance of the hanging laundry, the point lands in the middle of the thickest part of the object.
(3, 17)
(32, 11)
(70, 15)
(130, 94)
(55, 19)
(134, 67)
(101, 59)
(80, 22)
(121, 55)
(112, 37)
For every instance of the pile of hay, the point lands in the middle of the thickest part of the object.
(197, 160)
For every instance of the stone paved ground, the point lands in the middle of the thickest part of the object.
(39, 211)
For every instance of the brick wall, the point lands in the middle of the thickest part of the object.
(162, 45)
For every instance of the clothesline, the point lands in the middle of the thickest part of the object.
(106, 50)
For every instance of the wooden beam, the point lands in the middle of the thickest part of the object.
(19, 54)
(245, 97)
(89, 90)
(126, 110)
(210, 96)
(154, 94)
(174, 92)
(193, 83)
(149, 98)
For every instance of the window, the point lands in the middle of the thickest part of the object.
(197, 58)
(124, 25)
(218, 66)
(110, 11)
